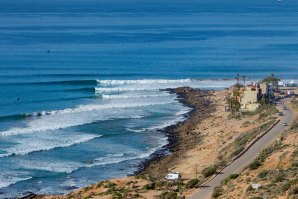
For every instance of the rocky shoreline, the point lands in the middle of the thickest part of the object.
(181, 137)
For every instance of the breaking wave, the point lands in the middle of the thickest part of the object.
(53, 120)
(47, 143)
(8, 179)
(145, 81)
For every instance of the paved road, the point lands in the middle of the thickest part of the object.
(238, 165)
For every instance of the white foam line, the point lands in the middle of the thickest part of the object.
(144, 81)
(184, 111)
(8, 178)
(132, 96)
(36, 146)
(119, 89)
(111, 161)
(52, 166)
(70, 167)
(12, 181)
(80, 109)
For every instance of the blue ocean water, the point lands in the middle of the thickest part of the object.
(80, 81)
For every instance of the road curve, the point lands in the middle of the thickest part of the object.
(238, 165)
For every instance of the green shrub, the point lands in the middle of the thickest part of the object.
(233, 176)
(217, 192)
(246, 123)
(141, 176)
(295, 164)
(98, 185)
(254, 165)
(209, 171)
(279, 177)
(294, 181)
(262, 174)
(249, 188)
(110, 185)
(168, 195)
(161, 184)
(285, 187)
(221, 164)
(87, 188)
(264, 154)
(192, 183)
(238, 150)
(293, 190)
(229, 178)
(117, 196)
(150, 186)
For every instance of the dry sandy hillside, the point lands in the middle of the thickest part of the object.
(276, 170)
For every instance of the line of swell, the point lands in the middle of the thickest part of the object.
(66, 82)
(86, 89)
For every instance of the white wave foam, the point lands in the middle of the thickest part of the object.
(11, 178)
(183, 111)
(52, 166)
(116, 89)
(137, 116)
(136, 130)
(112, 86)
(83, 114)
(144, 81)
(166, 82)
(70, 166)
(113, 159)
(47, 142)
(179, 117)
(66, 166)
(167, 123)
(119, 96)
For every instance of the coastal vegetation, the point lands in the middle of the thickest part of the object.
(273, 174)
(271, 80)
(209, 171)
(241, 142)
(233, 101)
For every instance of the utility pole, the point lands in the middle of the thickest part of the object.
(237, 78)
(243, 79)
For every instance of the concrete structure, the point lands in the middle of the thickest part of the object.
(268, 91)
(249, 97)
(251, 94)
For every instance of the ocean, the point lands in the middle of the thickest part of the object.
(81, 82)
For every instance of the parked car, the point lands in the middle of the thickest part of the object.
(285, 108)
(284, 124)
(280, 113)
